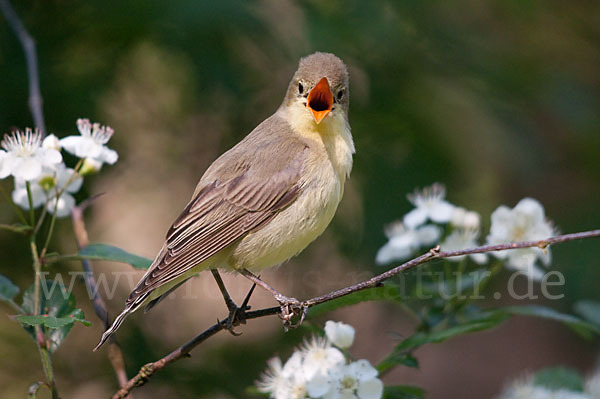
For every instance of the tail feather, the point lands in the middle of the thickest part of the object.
(113, 328)
(156, 301)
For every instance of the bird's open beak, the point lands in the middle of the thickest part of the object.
(320, 100)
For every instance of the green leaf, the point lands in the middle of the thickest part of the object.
(7, 289)
(31, 320)
(58, 312)
(582, 327)
(385, 293)
(114, 254)
(397, 359)
(589, 310)
(403, 392)
(421, 338)
(556, 378)
(401, 353)
(54, 322)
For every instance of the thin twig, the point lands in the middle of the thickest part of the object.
(148, 370)
(28, 43)
(115, 355)
(42, 343)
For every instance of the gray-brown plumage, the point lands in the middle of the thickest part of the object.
(269, 196)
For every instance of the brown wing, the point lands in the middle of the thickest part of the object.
(224, 211)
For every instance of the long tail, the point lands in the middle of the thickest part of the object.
(113, 328)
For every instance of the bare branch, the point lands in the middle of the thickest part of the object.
(115, 355)
(28, 43)
(146, 372)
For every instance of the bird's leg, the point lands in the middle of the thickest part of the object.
(236, 314)
(289, 306)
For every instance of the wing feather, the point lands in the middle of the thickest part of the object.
(222, 212)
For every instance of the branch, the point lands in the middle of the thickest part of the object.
(146, 372)
(114, 350)
(28, 43)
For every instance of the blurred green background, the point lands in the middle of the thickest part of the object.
(497, 99)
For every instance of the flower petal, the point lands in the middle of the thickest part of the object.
(362, 370)
(19, 195)
(531, 207)
(370, 389)
(398, 248)
(63, 175)
(480, 259)
(108, 156)
(441, 212)
(4, 165)
(293, 365)
(415, 218)
(27, 168)
(51, 142)
(428, 234)
(65, 204)
(71, 143)
(501, 222)
(49, 156)
(318, 386)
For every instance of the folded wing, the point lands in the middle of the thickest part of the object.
(225, 208)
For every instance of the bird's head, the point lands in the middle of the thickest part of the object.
(319, 89)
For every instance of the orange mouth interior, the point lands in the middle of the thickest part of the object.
(320, 100)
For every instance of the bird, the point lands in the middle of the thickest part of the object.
(269, 196)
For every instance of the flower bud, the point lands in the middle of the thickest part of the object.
(90, 166)
(51, 142)
(340, 334)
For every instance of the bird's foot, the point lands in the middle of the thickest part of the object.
(237, 314)
(291, 307)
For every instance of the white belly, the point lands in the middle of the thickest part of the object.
(292, 229)
(306, 218)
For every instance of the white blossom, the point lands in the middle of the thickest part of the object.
(465, 219)
(525, 222)
(284, 382)
(319, 371)
(320, 356)
(430, 204)
(46, 188)
(592, 384)
(340, 334)
(462, 238)
(526, 389)
(403, 241)
(356, 380)
(280, 381)
(24, 157)
(91, 142)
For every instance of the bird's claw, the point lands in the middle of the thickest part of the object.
(237, 316)
(291, 307)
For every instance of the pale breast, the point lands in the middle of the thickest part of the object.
(306, 218)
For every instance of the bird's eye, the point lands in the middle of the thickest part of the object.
(340, 94)
(300, 88)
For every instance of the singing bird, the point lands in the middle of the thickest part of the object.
(264, 200)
